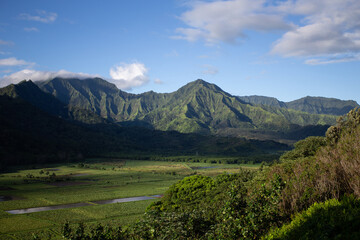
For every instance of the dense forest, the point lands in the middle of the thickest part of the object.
(312, 193)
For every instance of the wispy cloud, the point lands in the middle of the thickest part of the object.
(333, 59)
(13, 62)
(41, 16)
(158, 81)
(34, 75)
(209, 70)
(31, 29)
(127, 76)
(8, 43)
(173, 53)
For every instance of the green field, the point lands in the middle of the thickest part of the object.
(93, 180)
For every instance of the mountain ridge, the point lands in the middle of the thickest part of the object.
(31, 93)
(309, 104)
(198, 106)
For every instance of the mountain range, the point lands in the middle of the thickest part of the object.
(36, 127)
(197, 107)
(67, 118)
(313, 105)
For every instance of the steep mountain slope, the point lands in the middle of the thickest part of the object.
(31, 93)
(322, 105)
(313, 105)
(262, 100)
(197, 107)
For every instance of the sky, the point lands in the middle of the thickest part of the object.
(286, 49)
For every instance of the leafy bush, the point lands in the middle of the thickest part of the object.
(332, 219)
(304, 148)
(99, 232)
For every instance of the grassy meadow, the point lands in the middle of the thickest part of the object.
(93, 180)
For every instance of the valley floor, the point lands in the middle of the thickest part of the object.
(89, 182)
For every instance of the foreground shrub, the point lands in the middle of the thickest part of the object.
(332, 219)
(100, 232)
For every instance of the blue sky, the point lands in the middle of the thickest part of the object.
(285, 49)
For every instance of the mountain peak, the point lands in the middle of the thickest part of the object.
(200, 84)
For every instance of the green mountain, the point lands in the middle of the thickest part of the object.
(322, 105)
(262, 100)
(198, 107)
(31, 135)
(31, 93)
(313, 105)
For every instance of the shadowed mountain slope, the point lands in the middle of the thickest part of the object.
(31, 93)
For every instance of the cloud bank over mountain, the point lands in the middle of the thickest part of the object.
(125, 76)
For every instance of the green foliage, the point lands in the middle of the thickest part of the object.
(332, 219)
(188, 191)
(99, 232)
(344, 125)
(304, 148)
(192, 224)
(262, 211)
(315, 171)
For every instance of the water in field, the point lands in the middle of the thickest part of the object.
(41, 209)
(5, 198)
(122, 200)
(206, 167)
(73, 205)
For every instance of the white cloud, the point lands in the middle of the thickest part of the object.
(158, 81)
(318, 31)
(34, 75)
(2, 42)
(226, 21)
(42, 16)
(329, 27)
(13, 62)
(31, 29)
(209, 70)
(126, 76)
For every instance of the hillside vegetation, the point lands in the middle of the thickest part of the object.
(312, 194)
(313, 105)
